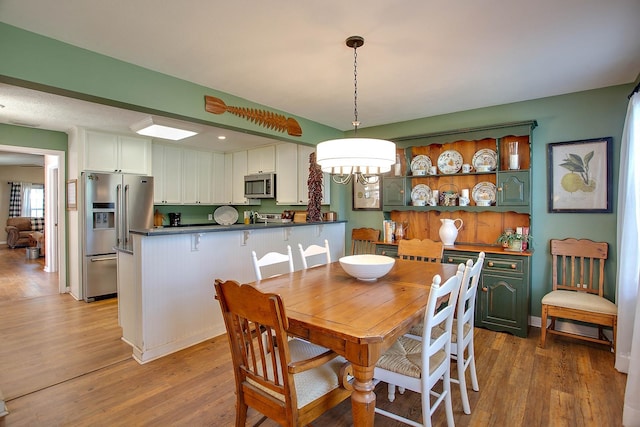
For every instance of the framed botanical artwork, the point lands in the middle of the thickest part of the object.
(366, 197)
(72, 193)
(580, 176)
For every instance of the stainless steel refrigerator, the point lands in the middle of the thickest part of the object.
(113, 205)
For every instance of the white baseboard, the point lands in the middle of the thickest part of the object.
(571, 328)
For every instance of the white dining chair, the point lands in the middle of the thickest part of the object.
(271, 258)
(465, 310)
(314, 250)
(418, 365)
(462, 335)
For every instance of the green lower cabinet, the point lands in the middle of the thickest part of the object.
(388, 250)
(502, 302)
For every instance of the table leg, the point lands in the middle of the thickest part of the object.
(363, 399)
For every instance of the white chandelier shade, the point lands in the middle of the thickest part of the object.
(366, 156)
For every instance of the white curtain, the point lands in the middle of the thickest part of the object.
(628, 274)
(26, 199)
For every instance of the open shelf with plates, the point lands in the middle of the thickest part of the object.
(500, 190)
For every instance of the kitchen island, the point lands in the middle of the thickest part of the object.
(165, 278)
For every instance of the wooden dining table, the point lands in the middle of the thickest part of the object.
(357, 319)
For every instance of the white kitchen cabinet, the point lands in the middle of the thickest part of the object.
(228, 178)
(287, 174)
(238, 173)
(167, 174)
(235, 178)
(292, 173)
(219, 193)
(107, 152)
(197, 176)
(261, 159)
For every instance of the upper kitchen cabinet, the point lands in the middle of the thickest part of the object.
(167, 174)
(107, 152)
(287, 174)
(261, 160)
(197, 177)
(234, 176)
(220, 191)
(292, 173)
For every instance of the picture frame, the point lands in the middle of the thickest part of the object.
(72, 194)
(579, 176)
(367, 197)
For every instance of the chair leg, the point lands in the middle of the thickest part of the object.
(543, 326)
(426, 408)
(462, 380)
(391, 392)
(472, 366)
(241, 413)
(448, 406)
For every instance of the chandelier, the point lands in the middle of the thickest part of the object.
(360, 158)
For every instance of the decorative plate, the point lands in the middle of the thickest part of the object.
(450, 162)
(484, 192)
(421, 192)
(420, 162)
(485, 157)
(225, 215)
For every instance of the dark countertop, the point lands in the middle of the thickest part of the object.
(211, 228)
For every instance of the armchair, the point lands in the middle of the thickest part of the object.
(18, 231)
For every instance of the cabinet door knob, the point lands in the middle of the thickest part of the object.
(499, 188)
(449, 260)
(490, 264)
(485, 289)
(513, 266)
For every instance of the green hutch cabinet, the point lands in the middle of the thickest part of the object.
(503, 297)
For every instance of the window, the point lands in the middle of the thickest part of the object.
(36, 201)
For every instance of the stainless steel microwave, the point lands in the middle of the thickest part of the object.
(260, 186)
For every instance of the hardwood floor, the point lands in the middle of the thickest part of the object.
(62, 364)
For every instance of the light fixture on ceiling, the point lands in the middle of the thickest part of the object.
(362, 158)
(161, 127)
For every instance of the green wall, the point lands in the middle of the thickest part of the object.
(36, 138)
(582, 115)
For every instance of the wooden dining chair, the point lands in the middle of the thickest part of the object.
(290, 381)
(418, 365)
(271, 258)
(578, 290)
(420, 250)
(363, 240)
(313, 251)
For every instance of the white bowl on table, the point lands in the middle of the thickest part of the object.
(367, 267)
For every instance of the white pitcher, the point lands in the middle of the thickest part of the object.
(448, 231)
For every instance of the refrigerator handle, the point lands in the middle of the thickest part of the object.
(125, 215)
(118, 214)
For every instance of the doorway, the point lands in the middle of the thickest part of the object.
(55, 218)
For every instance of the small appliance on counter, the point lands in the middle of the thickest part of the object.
(329, 216)
(174, 219)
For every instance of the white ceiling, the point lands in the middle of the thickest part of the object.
(420, 58)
